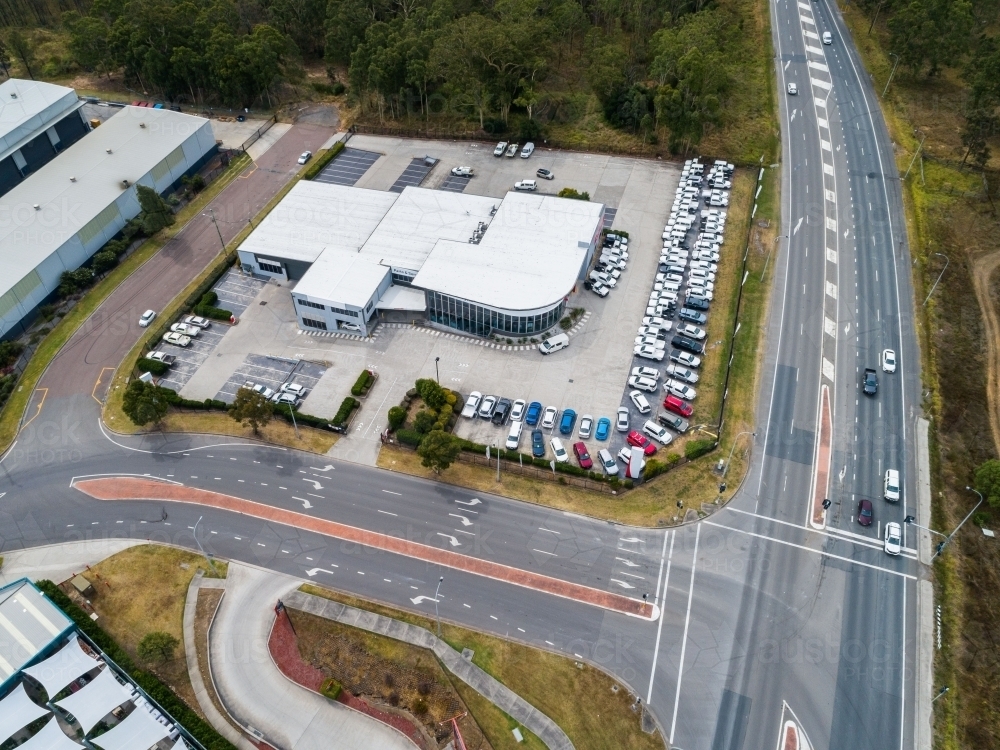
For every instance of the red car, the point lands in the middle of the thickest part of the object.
(641, 441)
(865, 512)
(582, 456)
(678, 406)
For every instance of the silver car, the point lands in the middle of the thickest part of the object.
(586, 426)
(621, 422)
(549, 417)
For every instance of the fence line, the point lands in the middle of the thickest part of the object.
(260, 131)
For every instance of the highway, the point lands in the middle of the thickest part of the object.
(772, 610)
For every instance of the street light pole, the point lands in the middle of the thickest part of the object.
(437, 614)
(947, 538)
(735, 440)
(891, 54)
(947, 260)
(215, 221)
(919, 148)
(437, 373)
(767, 260)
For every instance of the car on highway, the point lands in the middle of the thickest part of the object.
(517, 410)
(888, 360)
(537, 444)
(793, 90)
(890, 486)
(869, 383)
(187, 330)
(177, 339)
(641, 383)
(682, 373)
(195, 320)
(567, 421)
(676, 423)
(603, 428)
(528, 150)
(865, 512)
(684, 358)
(486, 407)
(639, 440)
(525, 185)
(549, 417)
(893, 538)
(545, 174)
(463, 171)
(827, 38)
(559, 451)
(167, 359)
(146, 318)
(622, 419)
(607, 462)
(306, 156)
(646, 372)
(582, 457)
(586, 426)
(640, 402)
(649, 352)
(625, 456)
(500, 149)
(678, 406)
(533, 414)
(472, 404)
(501, 411)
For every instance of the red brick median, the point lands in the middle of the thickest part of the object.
(822, 460)
(136, 488)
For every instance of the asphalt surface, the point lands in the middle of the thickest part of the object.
(763, 616)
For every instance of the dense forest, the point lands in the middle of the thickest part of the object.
(655, 66)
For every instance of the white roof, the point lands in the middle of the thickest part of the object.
(402, 298)
(314, 217)
(137, 731)
(28, 624)
(529, 257)
(50, 737)
(96, 700)
(17, 710)
(343, 277)
(64, 207)
(28, 108)
(419, 219)
(64, 666)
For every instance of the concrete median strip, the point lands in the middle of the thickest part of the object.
(140, 488)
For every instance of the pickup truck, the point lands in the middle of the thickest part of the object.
(870, 382)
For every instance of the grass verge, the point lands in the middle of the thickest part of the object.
(13, 410)
(580, 699)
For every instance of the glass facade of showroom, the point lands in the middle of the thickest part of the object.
(484, 321)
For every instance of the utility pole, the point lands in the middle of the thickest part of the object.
(214, 221)
(437, 614)
(891, 54)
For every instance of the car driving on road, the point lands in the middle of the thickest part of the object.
(893, 538)
(146, 318)
(870, 382)
(865, 513)
(888, 360)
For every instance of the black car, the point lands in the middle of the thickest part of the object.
(537, 444)
(870, 383)
(692, 316)
(698, 303)
(689, 345)
(675, 422)
(502, 411)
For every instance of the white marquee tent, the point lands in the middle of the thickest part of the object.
(96, 700)
(17, 710)
(64, 666)
(138, 731)
(50, 737)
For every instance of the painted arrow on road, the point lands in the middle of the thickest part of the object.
(464, 519)
(451, 540)
(328, 467)
(313, 482)
(313, 571)
(418, 599)
(473, 501)
(622, 584)
(305, 503)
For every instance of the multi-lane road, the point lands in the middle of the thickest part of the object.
(772, 610)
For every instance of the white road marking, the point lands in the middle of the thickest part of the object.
(305, 503)
(464, 520)
(684, 639)
(390, 492)
(387, 512)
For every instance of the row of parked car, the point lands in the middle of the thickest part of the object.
(609, 266)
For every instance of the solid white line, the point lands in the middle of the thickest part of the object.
(811, 549)
(902, 676)
(388, 513)
(659, 627)
(390, 492)
(687, 622)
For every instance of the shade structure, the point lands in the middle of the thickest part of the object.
(180, 744)
(64, 666)
(96, 700)
(17, 710)
(50, 737)
(138, 731)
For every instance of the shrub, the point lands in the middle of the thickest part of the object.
(363, 383)
(397, 415)
(628, 484)
(424, 421)
(152, 365)
(206, 307)
(654, 468)
(347, 406)
(322, 160)
(566, 323)
(409, 437)
(614, 482)
(673, 458)
(104, 261)
(9, 352)
(337, 88)
(696, 448)
(568, 192)
(71, 282)
(433, 394)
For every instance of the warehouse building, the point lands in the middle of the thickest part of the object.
(59, 216)
(478, 264)
(37, 121)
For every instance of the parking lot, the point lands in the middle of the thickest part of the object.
(237, 290)
(455, 184)
(190, 358)
(348, 167)
(414, 174)
(271, 372)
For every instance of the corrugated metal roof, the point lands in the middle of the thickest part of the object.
(28, 623)
(28, 108)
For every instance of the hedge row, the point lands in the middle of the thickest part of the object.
(696, 448)
(285, 411)
(155, 689)
(152, 365)
(206, 307)
(322, 160)
(364, 382)
(210, 404)
(347, 406)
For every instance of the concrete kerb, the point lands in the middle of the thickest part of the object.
(491, 689)
(923, 490)
(924, 710)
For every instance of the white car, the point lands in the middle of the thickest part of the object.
(649, 352)
(643, 384)
(625, 456)
(827, 38)
(646, 372)
(692, 331)
(463, 171)
(525, 185)
(528, 150)
(157, 356)
(289, 399)
(621, 419)
(586, 426)
(685, 358)
(682, 373)
(187, 330)
(512, 150)
(650, 341)
(559, 451)
(657, 432)
(549, 417)
(641, 402)
(893, 538)
(793, 90)
(194, 320)
(517, 410)
(600, 290)
(177, 339)
(656, 322)
(500, 149)
(679, 389)
(472, 404)
(146, 318)
(306, 156)
(296, 389)
(262, 389)
(888, 360)
(486, 407)
(656, 333)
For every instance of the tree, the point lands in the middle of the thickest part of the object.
(931, 33)
(155, 213)
(988, 481)
(88, 42)
(438, 450)
(23, 49)
(144, 403)
(424, 421)
(397, 415)
(157, 646)
(4, 58)
(982, 73)
(251, 409)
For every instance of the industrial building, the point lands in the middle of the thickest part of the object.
(60, 215)
(478, 264)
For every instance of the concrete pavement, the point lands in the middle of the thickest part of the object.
(57, 562)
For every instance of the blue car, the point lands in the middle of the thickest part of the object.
(603, 428)
(537, 444)
(534, 413)
(567, 422)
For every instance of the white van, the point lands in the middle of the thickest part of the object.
(554, 344)
(891, 486)
(514, 435)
